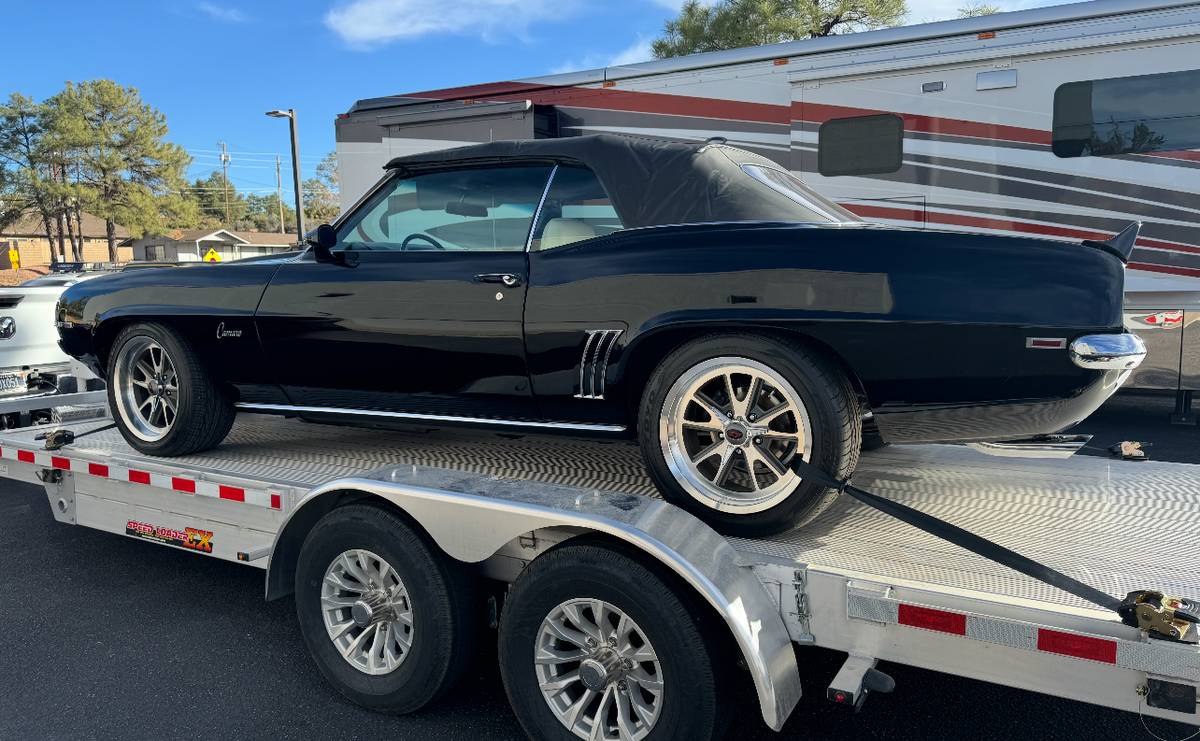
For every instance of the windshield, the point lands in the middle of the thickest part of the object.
(813, 207)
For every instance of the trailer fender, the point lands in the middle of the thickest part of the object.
(473, 516)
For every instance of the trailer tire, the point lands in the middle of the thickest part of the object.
(433, 590)
(691, 663)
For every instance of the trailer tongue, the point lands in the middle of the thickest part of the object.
(855, 580)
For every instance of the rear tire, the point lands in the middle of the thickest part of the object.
(802, 406)
(192, 412)
(428, 594)
(664, 654)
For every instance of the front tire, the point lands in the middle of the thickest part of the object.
(594, 645)
(163, 400)
(723, 418)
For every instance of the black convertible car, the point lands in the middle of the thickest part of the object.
(695, 295)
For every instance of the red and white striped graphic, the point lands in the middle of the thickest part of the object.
(180, 484)
(1157, 657)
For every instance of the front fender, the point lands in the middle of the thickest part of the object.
(470, 517)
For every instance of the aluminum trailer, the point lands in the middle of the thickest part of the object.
(511, 508)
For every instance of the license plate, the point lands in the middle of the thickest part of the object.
(11, 383)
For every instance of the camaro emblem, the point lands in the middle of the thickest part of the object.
(8, 327)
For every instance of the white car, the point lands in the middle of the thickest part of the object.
(30, 359)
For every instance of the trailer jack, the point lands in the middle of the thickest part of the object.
(1161, 616)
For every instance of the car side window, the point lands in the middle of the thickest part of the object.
(478, 209)
(576, 208)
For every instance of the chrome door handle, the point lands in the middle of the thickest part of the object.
(510, 280)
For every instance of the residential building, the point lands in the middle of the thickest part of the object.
(28, 235)
(194, 245)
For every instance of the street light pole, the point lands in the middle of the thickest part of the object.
(290, 115)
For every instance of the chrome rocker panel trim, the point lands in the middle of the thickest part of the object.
(472, 516)
(447, 418)
(1051, 446)
(1124, 351)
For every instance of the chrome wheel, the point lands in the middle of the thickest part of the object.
(146, 388)
(367, 612)
(598, 672)
(730, 428)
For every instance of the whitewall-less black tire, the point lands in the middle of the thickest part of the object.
(723, 418)
(391, 628)
(593, 644)
(163, 399)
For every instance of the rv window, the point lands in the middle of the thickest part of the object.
(862, 145)
(1128, 115)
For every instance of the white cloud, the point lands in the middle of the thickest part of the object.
(222, 13)
(926, 11)
(370, 23)
(638, 51)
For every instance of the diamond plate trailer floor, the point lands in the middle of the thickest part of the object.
(854, 579)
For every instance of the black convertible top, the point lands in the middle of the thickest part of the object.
(652, 182)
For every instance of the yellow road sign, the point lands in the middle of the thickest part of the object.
(14, 257)
(212, 255)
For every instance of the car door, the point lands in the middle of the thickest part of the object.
(422, 310)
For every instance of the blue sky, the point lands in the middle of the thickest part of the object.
(214, 66)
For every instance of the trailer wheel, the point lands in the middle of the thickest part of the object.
(594, 645)
(386, 618)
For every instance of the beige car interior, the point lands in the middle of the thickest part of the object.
(564, 231)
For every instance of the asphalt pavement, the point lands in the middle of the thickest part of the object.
(107, 637)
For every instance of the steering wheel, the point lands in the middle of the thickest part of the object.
(425, 237)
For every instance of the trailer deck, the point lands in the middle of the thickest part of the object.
(1106, 522)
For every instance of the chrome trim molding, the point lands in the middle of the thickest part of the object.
(580, 426)
(537, 212)
(593, 365)
(1050, 446)
(1122, 351)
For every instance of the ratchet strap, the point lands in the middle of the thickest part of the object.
(1144, 609)
(57, 439)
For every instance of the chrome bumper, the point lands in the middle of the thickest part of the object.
(1122, 351)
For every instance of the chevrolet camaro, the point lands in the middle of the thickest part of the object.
(696, 296)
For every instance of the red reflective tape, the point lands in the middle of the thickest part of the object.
(232, 493)
(58, 462)
(98, 469)
(276, 503)
(184, 485)
(930, 619)
(25, 456)
(1081, 647)
(139, 477)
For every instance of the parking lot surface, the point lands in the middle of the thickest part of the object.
(108, 637)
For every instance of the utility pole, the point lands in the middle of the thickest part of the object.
(279, 192)
(225, 173)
